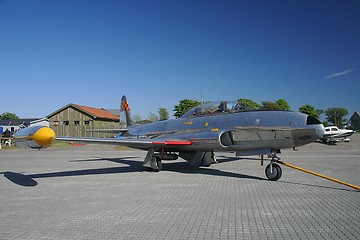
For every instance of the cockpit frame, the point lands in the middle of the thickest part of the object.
(216, 107)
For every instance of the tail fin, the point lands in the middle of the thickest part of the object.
(125, 110)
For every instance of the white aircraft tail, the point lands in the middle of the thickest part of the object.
(125, 112)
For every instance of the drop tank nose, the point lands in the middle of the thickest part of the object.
(36, 137)
(44, 137)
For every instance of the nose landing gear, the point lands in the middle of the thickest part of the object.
(273, 171)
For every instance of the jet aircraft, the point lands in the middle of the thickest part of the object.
(206, 129)
(215, 127)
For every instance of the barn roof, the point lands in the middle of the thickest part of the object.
(97, 112)
(94, 112)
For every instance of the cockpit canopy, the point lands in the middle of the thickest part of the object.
(216, 107)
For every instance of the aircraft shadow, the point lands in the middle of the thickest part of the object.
(136, 166)
(20, 179)
(184, 167)
(326, 143)
(28, 180)
(132, 166)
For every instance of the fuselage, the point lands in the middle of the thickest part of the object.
(230, 130)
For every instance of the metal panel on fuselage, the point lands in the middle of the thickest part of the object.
(221, 122)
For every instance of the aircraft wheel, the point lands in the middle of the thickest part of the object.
(156, 164)
(276, 172)
(159, 163)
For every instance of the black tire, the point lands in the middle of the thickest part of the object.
(158, 163)
(276, 174)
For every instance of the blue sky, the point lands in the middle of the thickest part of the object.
(53, 53)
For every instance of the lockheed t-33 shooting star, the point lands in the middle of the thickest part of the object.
(204, 130)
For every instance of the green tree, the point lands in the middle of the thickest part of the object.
(280, 104)
(309, 110)
(163, 114)
(267, 105)
(336, 115)
(8, 115)
(319, 111)
(184, 106)
(152, 117)
(283, 104)
(249, 103)
(325, 123)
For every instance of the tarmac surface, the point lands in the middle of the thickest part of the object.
(97, 192)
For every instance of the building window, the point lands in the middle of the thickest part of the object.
(66, 123)
(56, 123)
(87, 122)
(76, 122)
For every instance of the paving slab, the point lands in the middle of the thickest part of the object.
(96, 192)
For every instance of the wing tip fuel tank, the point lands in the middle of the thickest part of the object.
(35, 137)
(45, 136)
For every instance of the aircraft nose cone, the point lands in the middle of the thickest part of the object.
(45, 136)
(320, 130)
(316, 124)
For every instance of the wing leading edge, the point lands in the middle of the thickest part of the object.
(129, 142)
(115, 131)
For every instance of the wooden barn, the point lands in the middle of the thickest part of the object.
(75, 120)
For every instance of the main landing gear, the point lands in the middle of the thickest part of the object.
(158, 164)
(153, 160)
(273, 171)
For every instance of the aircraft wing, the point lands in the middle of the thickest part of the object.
(338, 135)
(116, 131)
(129, 142)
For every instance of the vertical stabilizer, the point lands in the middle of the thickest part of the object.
(125, 110)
